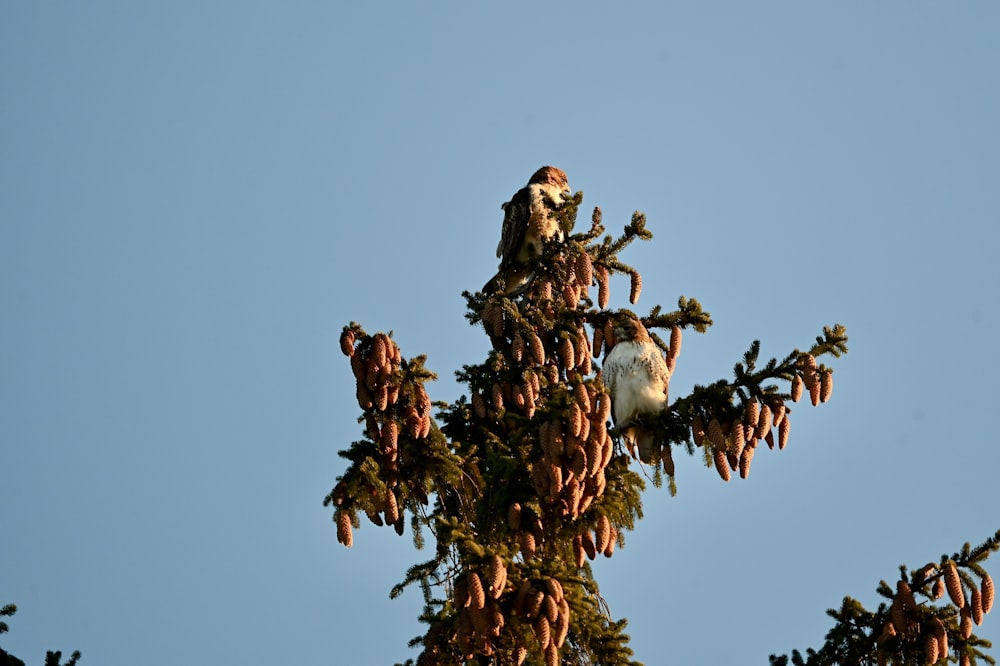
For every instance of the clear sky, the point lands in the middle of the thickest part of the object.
(196, 197)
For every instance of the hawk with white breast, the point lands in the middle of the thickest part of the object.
(638, 379)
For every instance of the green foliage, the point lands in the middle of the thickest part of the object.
(905, 632)
(51, 658)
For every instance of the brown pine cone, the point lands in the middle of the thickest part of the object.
(497, 572)
(598, 341)
(826, 386)
(745, 459)
(636, 287)
(668, 461)
(536, 348)
(976, 605)
(783, 431)
(344, 532)
(722, 464)
(477, 595)
(347, 342)
(715, 435)
(954, 583)
(517, 347)
(987, 592)
(675, 342)
(588, 545)
(797, 387)
(603, 287)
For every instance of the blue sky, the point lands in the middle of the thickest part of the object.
(196, 197)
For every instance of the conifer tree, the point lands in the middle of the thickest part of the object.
(955, 593)
(525, 480)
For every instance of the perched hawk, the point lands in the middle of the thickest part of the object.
(637, 377)
(527, 223)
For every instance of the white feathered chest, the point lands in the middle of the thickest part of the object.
(636, 374)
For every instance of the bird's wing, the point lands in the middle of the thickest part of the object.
(656, 366)
(516, 214)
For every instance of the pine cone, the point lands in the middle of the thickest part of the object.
(609, 335)
(715, 435)
(939, 588)
(585, 269)
(603, 287)
(380, 350)
(954, 583)
(826, 386)
(976, 606)
(602, 532)
(344, 532)
(778, 412)
(578, 463)
(941, 634)
(987, 593)
(497, 572)
(610, 550)
(347, 342)
(797, 388)
(527, 544)
(533, 604)
(578, 550)
(567, 355)
(555, 589)
(543, 631)
(763, 422)
(496, 395)
(479, 405)
(745, 459)
(583, 351)
(668, 460)
(751, 413)
(582, 395)
(536, 348)
(722, 464)
(931, 648)
(390, 436)
(550, 609)
(381, 397)
(391, 507)
(561, 627)
(493, 319)
(965, 625)
(674, 350)
(598, 340)
(551, 654)
(517, 347)
(814, 392)
(477, 595)
(588, 545)
(636, 287)
(783, 431)
(697, 430)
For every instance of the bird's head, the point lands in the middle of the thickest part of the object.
(629, 328)
(553, 182)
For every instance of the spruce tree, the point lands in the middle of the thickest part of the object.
(525, 480)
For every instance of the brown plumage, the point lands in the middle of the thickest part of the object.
(527, 223)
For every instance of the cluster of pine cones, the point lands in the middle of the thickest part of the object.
(912, 627)
(392, 409)
(733, 443)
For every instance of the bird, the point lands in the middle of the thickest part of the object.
(638, 380)
(527, 224)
